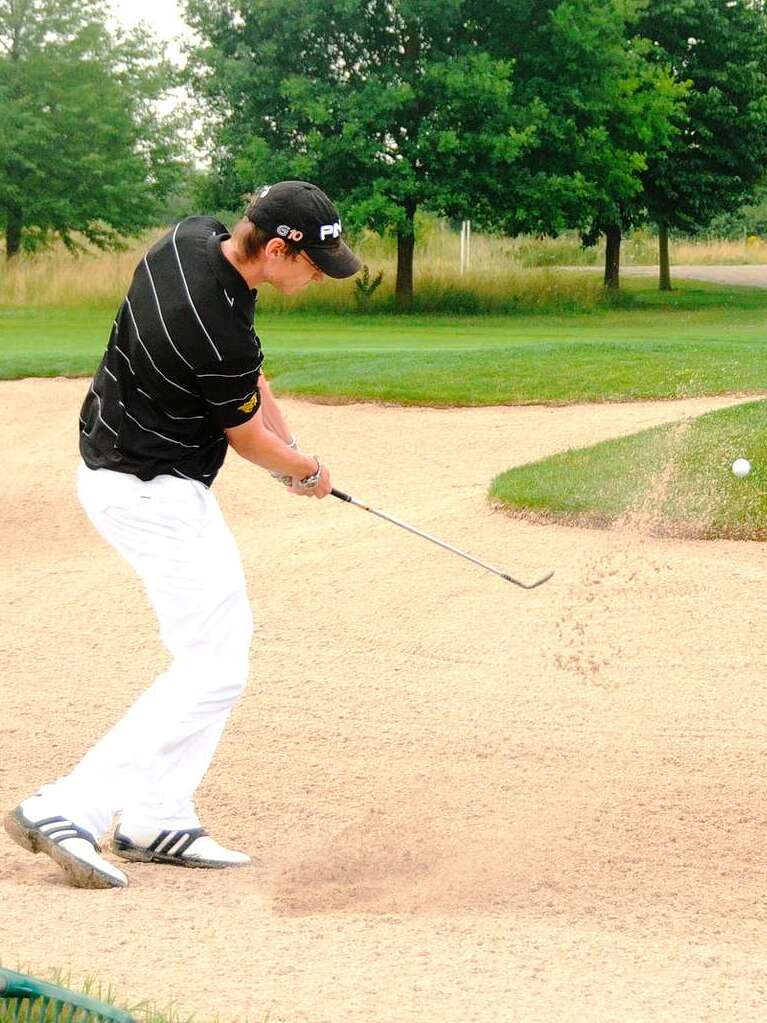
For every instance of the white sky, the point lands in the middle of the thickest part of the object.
(162, 16)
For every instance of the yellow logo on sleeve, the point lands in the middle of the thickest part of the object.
(252, 403)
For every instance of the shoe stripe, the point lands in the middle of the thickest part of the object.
(173, 848)
(58, 829)
(190, 838)
(51, 829)
(155, 846)
(178, 841)
(61, 833)
(173, 838)
(172, 844)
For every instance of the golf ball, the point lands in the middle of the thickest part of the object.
(741, 467)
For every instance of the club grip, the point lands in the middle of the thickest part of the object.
(340, 495)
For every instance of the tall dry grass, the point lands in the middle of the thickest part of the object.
(56, 278)
(720, 251)
(496, 282)
(639, 248)
(505, 274)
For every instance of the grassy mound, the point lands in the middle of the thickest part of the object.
(670, 481)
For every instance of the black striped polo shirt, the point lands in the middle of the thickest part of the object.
(181, 365)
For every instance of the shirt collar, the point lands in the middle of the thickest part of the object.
(233, 281)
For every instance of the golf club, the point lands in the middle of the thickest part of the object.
(411, 529)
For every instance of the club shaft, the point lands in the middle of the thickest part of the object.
(433, 539)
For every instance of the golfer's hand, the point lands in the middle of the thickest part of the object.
(322, 489)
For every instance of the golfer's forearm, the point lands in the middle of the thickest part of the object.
(273, 417)
(255, 442)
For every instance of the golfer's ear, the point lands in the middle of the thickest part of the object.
(275, 248)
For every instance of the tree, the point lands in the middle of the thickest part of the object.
(749, 221)
(392, 105)
(717, 158)
(606, 110)
(82, 148)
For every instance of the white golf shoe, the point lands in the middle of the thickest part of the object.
(192, 847)
(73, 848)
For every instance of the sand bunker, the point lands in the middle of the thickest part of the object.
(464, 801)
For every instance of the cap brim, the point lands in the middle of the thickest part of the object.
(334, 260)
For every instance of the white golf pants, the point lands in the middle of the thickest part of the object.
(147, 768)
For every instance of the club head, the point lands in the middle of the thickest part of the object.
(528, 586)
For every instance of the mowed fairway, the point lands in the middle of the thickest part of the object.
(700, 339)
(465, 802)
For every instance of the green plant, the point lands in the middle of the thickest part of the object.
(364, 288)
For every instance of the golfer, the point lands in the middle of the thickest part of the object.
(179, 384)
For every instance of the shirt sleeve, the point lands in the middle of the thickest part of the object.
(231, 389)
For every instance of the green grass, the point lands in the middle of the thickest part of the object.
(671, 480)
(143, 1012)
(700, 339)
(37, 1011)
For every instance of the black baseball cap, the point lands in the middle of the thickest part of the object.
(301, 213)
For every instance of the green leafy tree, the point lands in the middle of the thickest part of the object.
(390, 105)
(718, 156)
(747, 221)
(82, 148)
(605, 110)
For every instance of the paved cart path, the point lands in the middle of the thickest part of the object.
(465, 802)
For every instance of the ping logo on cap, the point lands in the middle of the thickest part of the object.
(330, 231)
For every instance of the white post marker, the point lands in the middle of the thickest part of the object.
(465, 245)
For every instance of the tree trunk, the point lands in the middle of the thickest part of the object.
(403, 293)
(613, 258)
(14, 224)
(664, 279)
